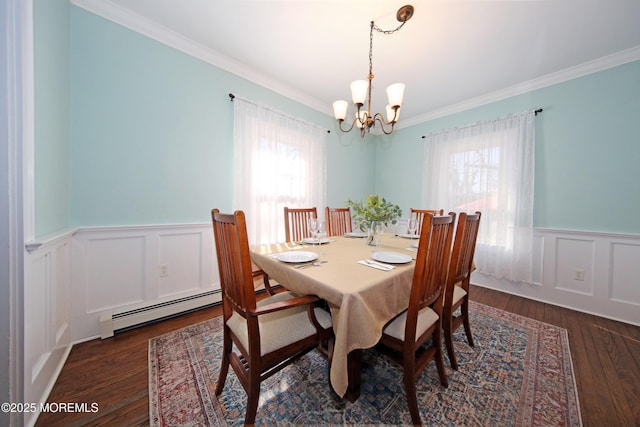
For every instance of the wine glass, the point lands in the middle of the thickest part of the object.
(314, 228)
(412, 225)
(321, 235)
(355, 225)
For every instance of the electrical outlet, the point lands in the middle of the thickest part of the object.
(163, 270)
(578, 274)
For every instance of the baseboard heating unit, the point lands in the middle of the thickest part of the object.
(136, 315)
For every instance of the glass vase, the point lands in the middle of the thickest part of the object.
(376, 230)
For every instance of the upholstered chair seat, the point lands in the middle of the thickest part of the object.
(280, 328)
(426, 319)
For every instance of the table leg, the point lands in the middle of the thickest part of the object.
(354, 367)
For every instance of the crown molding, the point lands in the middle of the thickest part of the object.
(115, 13)
(124, 17)
(604, 63)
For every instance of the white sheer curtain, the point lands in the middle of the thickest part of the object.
(279, 161)
(488, 167)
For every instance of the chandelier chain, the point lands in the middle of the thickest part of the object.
(380, 30)
(371, 51)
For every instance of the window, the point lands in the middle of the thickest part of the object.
(488, 167)
(278, 161)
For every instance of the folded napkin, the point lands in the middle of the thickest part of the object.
(376, 264)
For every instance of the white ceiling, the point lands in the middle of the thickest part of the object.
(451, 54)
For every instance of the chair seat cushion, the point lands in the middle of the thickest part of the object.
(458, 293)
(324, 317)
(281, 328)
(426, 318)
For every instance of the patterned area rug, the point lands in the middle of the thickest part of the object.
(518, 374)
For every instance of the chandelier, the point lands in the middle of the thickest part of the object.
(361, 91)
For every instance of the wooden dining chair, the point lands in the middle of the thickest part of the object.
(338, 221)
(296, 223)
(269, 334)
(457, 291)
(258, 272)
(414, 337)
(420, 213)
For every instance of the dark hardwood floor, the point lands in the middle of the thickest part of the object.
(113, 372)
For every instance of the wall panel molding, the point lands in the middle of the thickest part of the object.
(47, 332)
(591, 272)
(624, 275)
(118, 268)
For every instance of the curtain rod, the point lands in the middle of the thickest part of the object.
(232, 96)
(536, 112)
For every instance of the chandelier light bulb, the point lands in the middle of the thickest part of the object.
(392, 116)
(359, 91)
(340, 109)
(395, 93)
(361, 120)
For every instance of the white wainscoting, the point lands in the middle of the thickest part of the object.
(597, 273)
(74, 278)
(47, 326)
(116, 268)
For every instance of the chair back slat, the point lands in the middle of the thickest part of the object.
(296, 223)
(234, 262)
(464, 247)
(420, 214)
(338, 221)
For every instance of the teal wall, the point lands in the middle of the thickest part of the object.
(130, 131)
(152, 131)
(52, 116)
(587, 151)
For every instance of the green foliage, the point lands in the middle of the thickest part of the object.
(374, 208)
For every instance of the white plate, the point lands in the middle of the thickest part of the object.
(391, 257)
(356, 234)
(297, 256)
(312, 241)
(409, 236)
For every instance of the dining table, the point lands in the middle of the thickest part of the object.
(364, 286)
